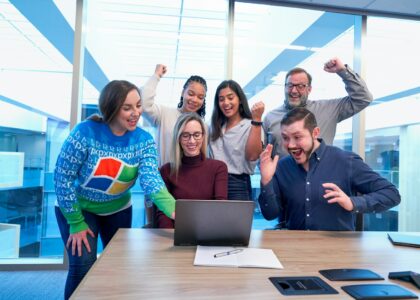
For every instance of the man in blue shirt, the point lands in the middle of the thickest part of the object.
(318, 187)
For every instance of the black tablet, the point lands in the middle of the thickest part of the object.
(404, 239)
(378, 291)
(350, 274)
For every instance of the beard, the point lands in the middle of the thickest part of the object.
(307, 153)
(302, 102)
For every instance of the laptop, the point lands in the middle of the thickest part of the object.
(402, 239)
(213, 222)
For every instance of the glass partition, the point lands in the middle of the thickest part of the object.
(35, 93)
(392, 122)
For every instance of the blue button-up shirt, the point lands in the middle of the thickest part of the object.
(297, 195)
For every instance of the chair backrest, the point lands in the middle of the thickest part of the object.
(359, 222)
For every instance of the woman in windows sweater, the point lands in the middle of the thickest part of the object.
(98, 164)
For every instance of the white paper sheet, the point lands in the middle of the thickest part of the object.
(244, 258)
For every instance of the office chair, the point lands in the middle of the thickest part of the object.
(359, 222)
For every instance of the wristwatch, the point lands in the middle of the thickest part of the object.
(256, 123)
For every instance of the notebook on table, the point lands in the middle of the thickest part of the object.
(213, 222)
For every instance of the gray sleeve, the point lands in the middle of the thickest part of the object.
(263, 137)
(265, 132)
(358, 97)
(152, 111)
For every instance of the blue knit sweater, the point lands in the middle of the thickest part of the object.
(96, 169)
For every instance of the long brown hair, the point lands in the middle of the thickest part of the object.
(111, 99)
(218, 119)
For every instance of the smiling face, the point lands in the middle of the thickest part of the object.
(229, 103)
(299, 141)
(193, 97)
(128, 115)
(191, 138)
(297, 90)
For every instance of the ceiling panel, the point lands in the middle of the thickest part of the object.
(397, 8)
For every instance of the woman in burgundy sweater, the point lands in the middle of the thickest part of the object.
(192, 175)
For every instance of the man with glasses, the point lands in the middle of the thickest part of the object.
(328, 112)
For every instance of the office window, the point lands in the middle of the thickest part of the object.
(271, 40)
(127, 39)
(392, 121)
(35, 89)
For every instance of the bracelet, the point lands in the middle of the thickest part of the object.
(256, 123)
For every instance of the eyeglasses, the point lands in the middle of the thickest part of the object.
(186, 136)
(300, 86)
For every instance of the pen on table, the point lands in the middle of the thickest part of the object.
(234, 251)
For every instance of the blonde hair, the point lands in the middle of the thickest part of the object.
(177, 152)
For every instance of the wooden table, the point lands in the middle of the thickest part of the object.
(144, 264)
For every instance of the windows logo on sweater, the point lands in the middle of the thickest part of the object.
(112, 176)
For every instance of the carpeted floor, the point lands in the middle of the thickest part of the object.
(37, 285)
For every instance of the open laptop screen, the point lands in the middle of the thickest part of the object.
(213, 222)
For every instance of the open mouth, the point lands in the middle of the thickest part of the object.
(296, 153)
(227, 110)
(294, 97)
(191, 105)
(132, 122)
